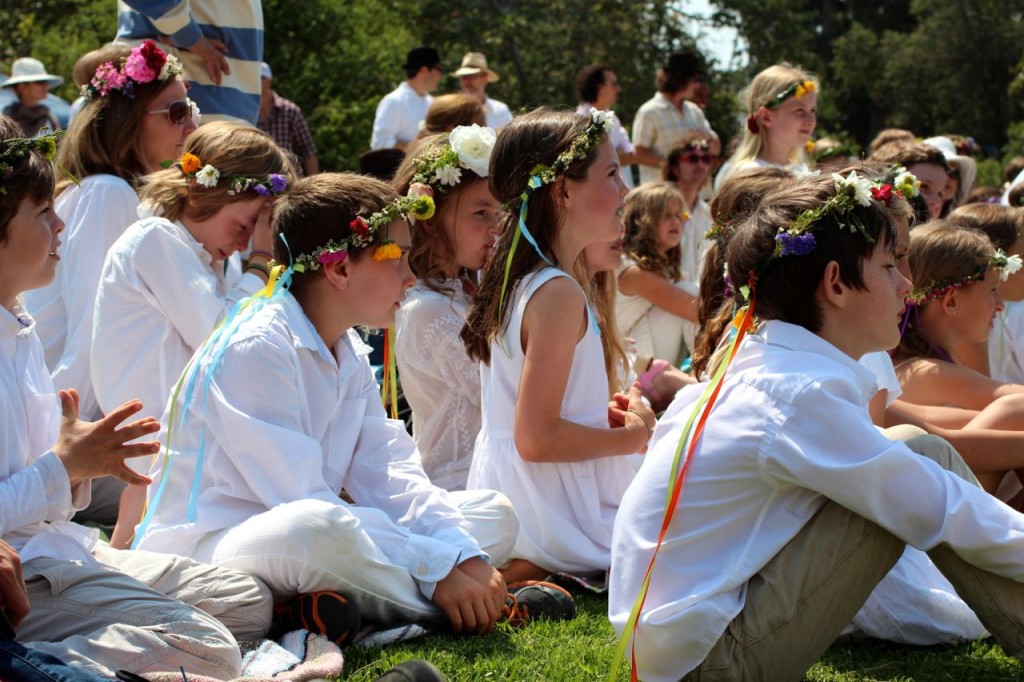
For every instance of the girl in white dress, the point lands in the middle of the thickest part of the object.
(655, 307)
(550, 440)
(782, 105)
(440, 381)
(171, 278)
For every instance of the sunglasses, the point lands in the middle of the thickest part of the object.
(179, 112)
(697, 158)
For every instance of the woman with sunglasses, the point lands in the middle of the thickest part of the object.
(136, 115)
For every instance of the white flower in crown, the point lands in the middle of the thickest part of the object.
(473, 144)
(418, 189)
(602, 118)
(208, 176)
(171, 67)
(906, 182)
(861, 186)
(1009, 265)
(447, 175)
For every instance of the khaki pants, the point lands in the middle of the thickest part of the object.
(803, 598)
(156, 613)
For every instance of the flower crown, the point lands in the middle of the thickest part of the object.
(144, 64)
(208, 176)
(936, 289)
(582, 146)
(362, 232)
(852, 191)
(797, 89)
(15, 151)
(468, 147)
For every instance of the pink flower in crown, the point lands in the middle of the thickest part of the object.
(144, 63)
(108, 77)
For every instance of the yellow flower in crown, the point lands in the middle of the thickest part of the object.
(803, 88)
(389, 250)
(190, 163)
(809, 146)
(685, 215)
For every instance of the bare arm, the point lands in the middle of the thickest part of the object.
(935, 382)
(635, 281)
(646, 156)
(554, 322)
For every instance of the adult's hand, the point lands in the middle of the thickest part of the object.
(13, 594)
(212, 52)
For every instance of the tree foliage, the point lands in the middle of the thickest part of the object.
(932, 66)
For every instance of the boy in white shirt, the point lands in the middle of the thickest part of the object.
(89, 605)
(791, 506)
(280, 411)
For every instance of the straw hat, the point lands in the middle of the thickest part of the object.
(474, 63)
(29, 70)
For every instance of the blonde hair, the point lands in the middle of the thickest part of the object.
(765, 87)
(234, 149)
(601, 290)
(645, 207)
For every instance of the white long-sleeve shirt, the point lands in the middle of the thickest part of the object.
(398, 117)
(789, 432)
(286, 421)
(36, 498)
(95, 213)
(159, 297)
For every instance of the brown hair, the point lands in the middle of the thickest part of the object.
(448, 111)
(909, 154)
(106, 134)
(786, 286)
(432, 251)
(645, 207)
(984, 194)
(1002, 224)
(939, 252)
(1013, 168)
(890, 135)
(318, 209)
(29, 178)
(738, 196)
(1016, 196)
(234, 149)
(531, 139)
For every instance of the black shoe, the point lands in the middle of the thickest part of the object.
(413, 671)
(325, 613)
(536, 600)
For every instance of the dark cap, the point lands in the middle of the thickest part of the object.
(684, 63)
(421, 56)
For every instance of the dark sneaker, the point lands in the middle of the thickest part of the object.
(325, 613)
(413, 671)
(536, 600)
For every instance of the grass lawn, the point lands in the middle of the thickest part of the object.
(581, 649)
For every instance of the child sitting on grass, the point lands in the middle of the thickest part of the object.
(753, 549)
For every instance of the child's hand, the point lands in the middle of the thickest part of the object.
(263, 235)
(95, 449)
(617, 407)
(472, 596)
(634, 414)
(13, 594)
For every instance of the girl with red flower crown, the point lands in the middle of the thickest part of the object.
(782, 105)
(136, 114)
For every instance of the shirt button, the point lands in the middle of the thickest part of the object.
(422, 570)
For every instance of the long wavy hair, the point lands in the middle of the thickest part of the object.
(531, 139)
(646, 206)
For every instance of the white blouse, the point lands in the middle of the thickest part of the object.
(439, 380)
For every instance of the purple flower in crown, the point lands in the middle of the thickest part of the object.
(795, 244)
(262, 190)
(278, 183)
(328, 257)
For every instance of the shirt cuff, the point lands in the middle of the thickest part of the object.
(187, 36)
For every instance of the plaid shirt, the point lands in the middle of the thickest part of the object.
(659, 127)
(288, 128)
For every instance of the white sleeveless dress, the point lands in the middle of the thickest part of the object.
(567, 509)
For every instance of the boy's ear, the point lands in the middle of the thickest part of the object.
(339, 275)
(831, 287)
